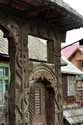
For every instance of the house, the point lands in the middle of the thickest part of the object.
(4, 68)
(73, 111)
(74, 54)
(69, 81)
(4, 78)
(79, 90)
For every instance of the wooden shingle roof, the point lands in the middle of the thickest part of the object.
(54, 12)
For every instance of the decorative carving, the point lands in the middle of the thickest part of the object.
(19, 67)
(19, 88)
(21, 84)
(58, 90)
(43, 71)
(22, 91)
(18, 98)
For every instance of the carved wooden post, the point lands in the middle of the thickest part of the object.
(18, 91)
(54, 56)
(58, 91)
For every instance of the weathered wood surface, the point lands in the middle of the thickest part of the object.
(16, 25)
(18, 97)
(56, 13)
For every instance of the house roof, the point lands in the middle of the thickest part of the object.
(63, 62)
(54, 12)
(74, 115)
(70, 68)
(70, 50)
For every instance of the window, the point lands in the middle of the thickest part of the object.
(4, 81)
(1, 72)
(71, 86)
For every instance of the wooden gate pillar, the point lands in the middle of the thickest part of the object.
(18, 90)
(54, 56)
(58, 90)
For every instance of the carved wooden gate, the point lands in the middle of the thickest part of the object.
(19, 84)
(44, 108)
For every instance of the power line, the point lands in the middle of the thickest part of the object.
(80, 43)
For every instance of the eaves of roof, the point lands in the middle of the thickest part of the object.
(54, 12)
(70, 68)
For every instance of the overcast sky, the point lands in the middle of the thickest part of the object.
(75, 35)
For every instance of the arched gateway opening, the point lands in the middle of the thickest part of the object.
(42, 96)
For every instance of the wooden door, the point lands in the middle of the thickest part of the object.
(41, 108)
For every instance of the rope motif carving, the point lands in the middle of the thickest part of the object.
(21, 82)
(21, 86)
